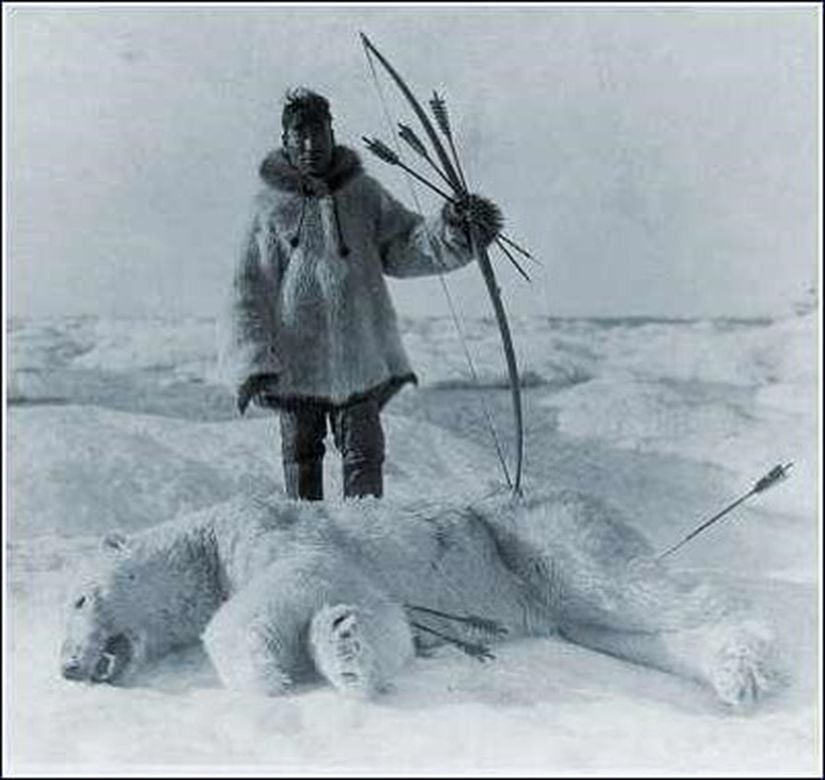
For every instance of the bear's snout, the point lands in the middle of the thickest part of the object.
(72, 663)
(72, 670)
(106, 663)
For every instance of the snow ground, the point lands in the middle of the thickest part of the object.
(120, 423)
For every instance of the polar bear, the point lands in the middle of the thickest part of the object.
(281, 592)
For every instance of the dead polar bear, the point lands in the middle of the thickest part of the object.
(282, 591)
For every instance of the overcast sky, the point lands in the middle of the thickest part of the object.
(657, 161)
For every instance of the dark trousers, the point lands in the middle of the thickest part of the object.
(358, 436)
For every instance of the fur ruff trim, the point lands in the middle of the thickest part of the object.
(278, 172)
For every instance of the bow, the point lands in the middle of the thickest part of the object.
(454, 176)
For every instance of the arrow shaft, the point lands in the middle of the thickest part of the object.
(426, 182)
(510, 257)
(718, 516)
(515, 246)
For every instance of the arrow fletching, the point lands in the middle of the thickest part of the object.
(776, 474)
(477, 650)
(381, 150)
(488, 626)
(412, 140)
(439, 109)
(442, 118)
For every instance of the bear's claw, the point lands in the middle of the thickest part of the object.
(746, 670)
(341, 652)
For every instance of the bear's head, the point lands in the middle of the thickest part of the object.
(136, 600)
(103, 639)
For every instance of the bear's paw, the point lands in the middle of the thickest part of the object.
(745, 667)
(342, 652)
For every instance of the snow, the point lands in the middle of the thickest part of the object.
(121, 424)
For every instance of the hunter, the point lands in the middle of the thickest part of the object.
(311, 330)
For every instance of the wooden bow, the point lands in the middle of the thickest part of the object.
(453, 175)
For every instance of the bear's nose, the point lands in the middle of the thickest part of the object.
(72, 670)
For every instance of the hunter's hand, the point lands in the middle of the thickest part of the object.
(255, 389)
(478, 211)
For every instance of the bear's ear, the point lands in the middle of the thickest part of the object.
(115, 541)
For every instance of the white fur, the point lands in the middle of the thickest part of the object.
(358, 649)
(324, 323)
(289, 590)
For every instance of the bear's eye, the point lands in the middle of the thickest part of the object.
(80, 602)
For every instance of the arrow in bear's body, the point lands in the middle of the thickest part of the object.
(776, 474)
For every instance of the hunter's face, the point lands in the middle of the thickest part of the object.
(309, 146)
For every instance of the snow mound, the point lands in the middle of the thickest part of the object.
(82, 469)
(118, 423)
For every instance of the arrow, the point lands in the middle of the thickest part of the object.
(776, 474)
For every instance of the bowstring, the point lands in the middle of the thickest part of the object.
(441, 272)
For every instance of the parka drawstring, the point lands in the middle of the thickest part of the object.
(296, 237)
(343, 249)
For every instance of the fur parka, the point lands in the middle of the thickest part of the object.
(309, 301)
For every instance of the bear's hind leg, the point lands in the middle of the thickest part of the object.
(599, 578)
(359, 648)
(736, 658)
